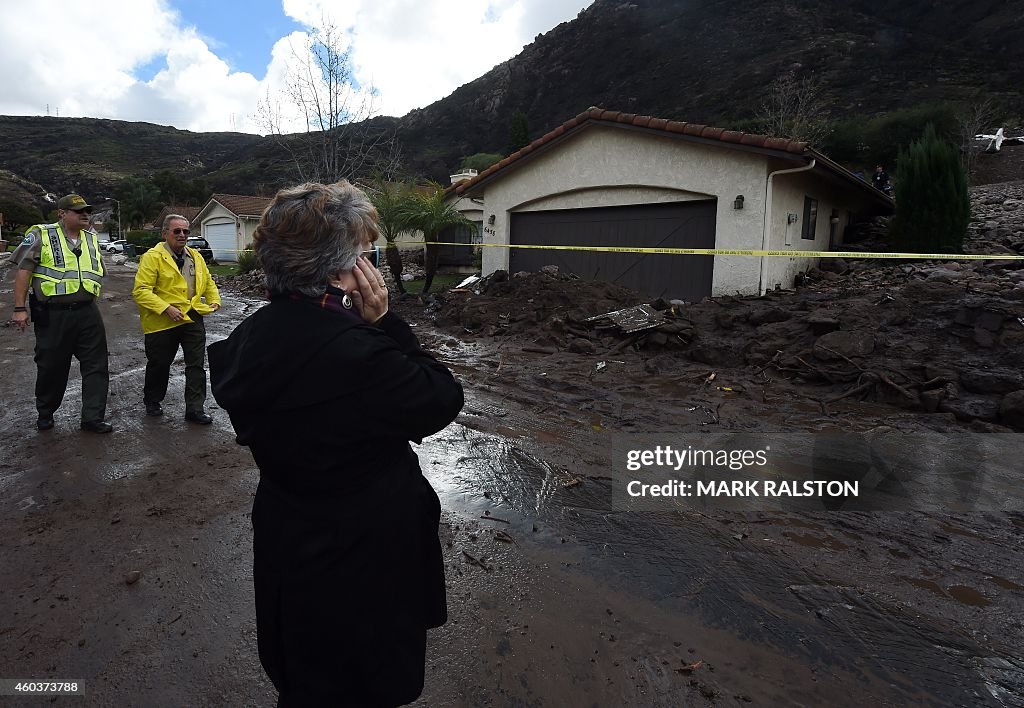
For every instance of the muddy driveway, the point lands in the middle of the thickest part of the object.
(125, 559)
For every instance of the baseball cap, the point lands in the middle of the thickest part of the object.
(73, 201)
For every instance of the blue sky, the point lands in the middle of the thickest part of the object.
(240, 34)
(208, 66)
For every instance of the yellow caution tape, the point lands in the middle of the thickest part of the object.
(749, 252)
(729, 252)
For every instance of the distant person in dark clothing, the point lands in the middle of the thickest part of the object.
(327, 388)
(880, 180)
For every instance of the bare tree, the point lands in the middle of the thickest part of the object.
(321, 101)
(972, 118)
(796, 108)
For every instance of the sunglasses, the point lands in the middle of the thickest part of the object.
(179, 232)
(373, 255)
(87, 210)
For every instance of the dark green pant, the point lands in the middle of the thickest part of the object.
(161, 348)
(79, 333)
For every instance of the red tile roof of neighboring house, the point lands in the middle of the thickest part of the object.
(240, 205)
(599, 115)
(187, 211)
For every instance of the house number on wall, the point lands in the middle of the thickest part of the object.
(489, 231)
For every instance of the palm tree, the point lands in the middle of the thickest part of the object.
(430, 212)
(139, 200)
(388, 198)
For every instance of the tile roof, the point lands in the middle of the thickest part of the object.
(188, 212)
(241, 205)
(598, 115)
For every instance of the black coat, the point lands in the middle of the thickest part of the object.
(348, 568)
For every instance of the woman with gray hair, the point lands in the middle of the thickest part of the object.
(327, 387)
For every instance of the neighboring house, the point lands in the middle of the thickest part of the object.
(473, 210)
(227, 222)
(102, 214)
(189, 212)
(614, 179)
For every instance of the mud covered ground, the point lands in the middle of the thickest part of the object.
(556, 598)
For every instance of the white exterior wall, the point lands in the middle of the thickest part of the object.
(788, 198)
(246, 228)
(607, 166)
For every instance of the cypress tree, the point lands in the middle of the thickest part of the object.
(519, 132)
(933, 206)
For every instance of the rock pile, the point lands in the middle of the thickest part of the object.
(997, 224)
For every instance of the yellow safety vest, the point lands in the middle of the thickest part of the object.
(60, 271)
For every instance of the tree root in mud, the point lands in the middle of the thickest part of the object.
(865, 380)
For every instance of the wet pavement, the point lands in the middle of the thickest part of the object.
(557, 598)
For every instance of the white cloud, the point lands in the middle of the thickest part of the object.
(67, 58)
(415, 51)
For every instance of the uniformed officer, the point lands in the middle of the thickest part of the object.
(62, 265)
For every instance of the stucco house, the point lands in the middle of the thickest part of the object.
(227, 222)
(612, 179)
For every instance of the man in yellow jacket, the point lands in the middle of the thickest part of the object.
(173, 290)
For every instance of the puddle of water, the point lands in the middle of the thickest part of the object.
(798, 523)
(545, 436)
(968, 596)
(507, 432)
(1003, 582)
(814, 542)
(924, 584)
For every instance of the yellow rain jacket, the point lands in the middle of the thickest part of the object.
(159, 284)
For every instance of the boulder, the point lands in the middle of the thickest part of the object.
(1011, 410)
(931, 291)
(580, 345)
(991, 380)
(833, 265)
(822, 322)
(944, 275)
(850, 344)
(969, 407)
(768, 314)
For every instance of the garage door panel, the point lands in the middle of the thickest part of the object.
(672, 225)
(221, 238)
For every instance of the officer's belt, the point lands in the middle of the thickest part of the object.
(77, 305)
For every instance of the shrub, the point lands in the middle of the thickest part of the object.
(933, 206)
(142, 240)
(20, 214)
(247, 260)
(481, 161)
(888, 135)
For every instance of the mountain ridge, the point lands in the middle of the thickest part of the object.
(705, 61)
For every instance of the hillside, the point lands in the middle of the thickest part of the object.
(696, 60)
(709, 62)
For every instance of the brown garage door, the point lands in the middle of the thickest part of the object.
(672, 225)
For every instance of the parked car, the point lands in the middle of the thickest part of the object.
(114, 246)
(200, 244)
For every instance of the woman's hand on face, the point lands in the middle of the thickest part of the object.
(370, 295)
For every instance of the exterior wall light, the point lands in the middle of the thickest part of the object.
(738, 202)
(490, 219)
